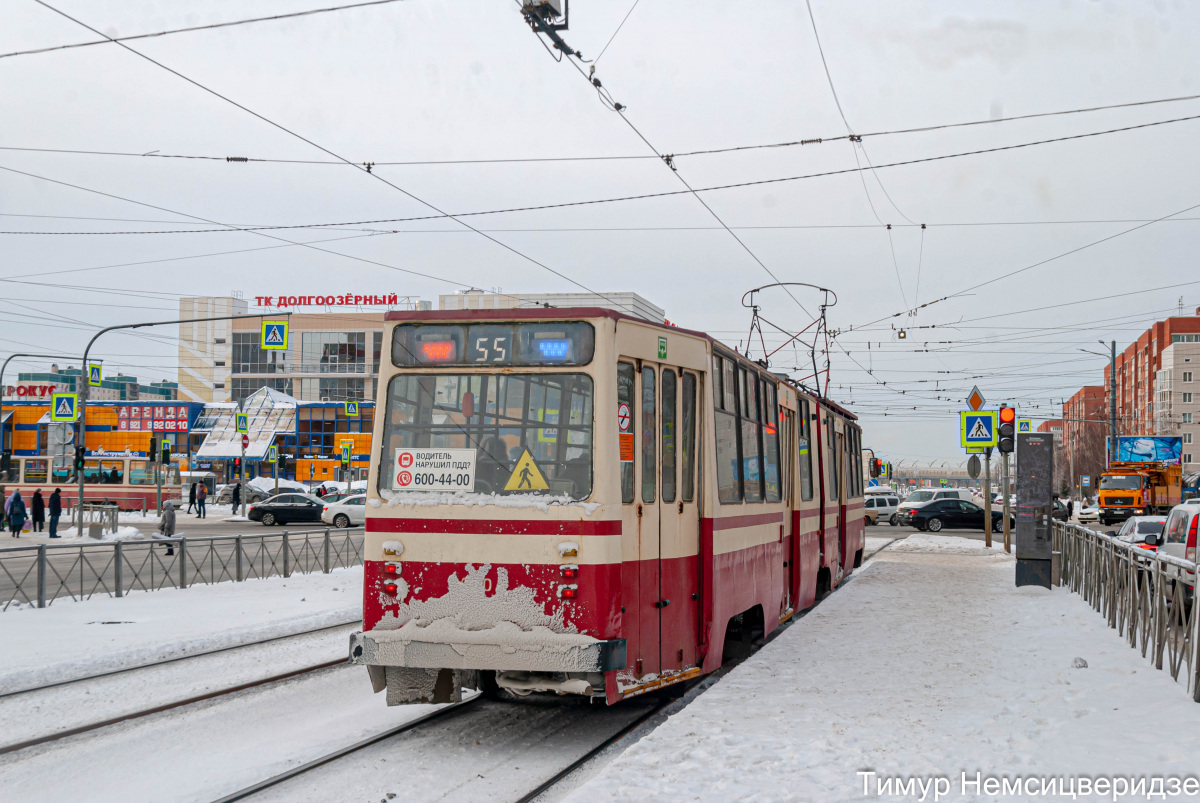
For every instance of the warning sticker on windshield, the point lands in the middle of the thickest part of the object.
(433, 470)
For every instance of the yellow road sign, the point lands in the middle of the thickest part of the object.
(526, 476)
(978, 428)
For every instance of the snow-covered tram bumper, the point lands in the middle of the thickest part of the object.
(433, 664)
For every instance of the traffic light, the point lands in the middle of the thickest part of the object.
(79, 452)
(237, 462)
(875, 464)
(166, 451)
(153, 453)
(1008, 422)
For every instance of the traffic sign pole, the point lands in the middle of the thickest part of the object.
(1004, 475)
(987, 497)
(242, 478)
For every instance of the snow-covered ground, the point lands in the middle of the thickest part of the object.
(928, 663)
(67, 641)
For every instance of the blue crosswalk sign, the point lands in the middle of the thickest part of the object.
(352, 409)
(243, 424)
(977, 428)
(274, 335)
(63, 407)
(94, 375)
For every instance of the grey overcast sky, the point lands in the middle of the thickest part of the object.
(445, 80)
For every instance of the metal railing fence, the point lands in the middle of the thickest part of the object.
(39, 574)
(1144, 596)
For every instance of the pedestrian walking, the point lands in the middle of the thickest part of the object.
(16, 514)
(166, 525)
(1070, 508)
(201, 495)
(55, 510)
(37, 511)
(191, 497)
(237, 497)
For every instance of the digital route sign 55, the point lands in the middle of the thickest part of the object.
(487, 344)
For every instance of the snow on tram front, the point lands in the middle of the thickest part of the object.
(583, 502)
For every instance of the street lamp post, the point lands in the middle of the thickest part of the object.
(82, 410)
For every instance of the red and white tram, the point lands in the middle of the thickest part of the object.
(580, 501)
(128, 482)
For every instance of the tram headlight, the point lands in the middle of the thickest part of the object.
(391, 569)
(569, 571)
(569, 591)
(390, 588)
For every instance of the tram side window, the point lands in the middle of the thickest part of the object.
(856, 458)
(725, 422)
(64, 474)
(834, 463)
(625, 384)
(687, 438)
(649, 430)
(35, 471)
(91, 471)
(668, 435)
(770, 442)
(751, 438)
(141, 472)
(804, 441)
(112, 471)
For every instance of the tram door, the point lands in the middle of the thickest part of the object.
(647, 660)
(837, 454)
(679, 518)
(787, 438)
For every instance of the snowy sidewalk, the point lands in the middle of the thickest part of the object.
(928, 663)
(67, 641)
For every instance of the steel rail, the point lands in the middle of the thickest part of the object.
(175, 659)
(12, 748)
(449, 710)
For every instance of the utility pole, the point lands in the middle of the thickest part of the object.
(1112, 402)
(987, 497)
(158, 470)
(242, 466)
(1004, 475)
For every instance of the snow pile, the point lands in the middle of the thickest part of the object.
(122, 534)
(949, 545)
(926, 663)
(267, 485)
(542, 502)
(66, 641)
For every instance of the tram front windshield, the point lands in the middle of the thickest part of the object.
(502, 434)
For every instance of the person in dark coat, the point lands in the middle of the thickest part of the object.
(55, 510)
(167, 525)
(237, 497)
(1070, 508)
(191, 497)
(16, 514)
(37, 511)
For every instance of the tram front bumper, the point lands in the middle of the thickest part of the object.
(499, 648)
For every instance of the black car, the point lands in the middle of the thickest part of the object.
(286, 508)
(953, 514)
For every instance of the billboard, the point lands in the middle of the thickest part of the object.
(1147, 448)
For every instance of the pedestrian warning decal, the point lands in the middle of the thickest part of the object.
(526, 476)
(274, 335)
(62, 407)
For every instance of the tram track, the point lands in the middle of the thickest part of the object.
(158, 709)
(176, 659)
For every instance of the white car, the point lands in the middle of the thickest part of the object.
(1179, 540)
(1088, 514)
(349, 512)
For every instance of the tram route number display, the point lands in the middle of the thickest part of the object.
(433, 470)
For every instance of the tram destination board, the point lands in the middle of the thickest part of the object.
(433, 470)
(494, 344)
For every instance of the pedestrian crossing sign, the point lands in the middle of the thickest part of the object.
(243, 423)
(64, 407)
(94, 375)
(347, 447)
(977, 428)
(1024, 426)
(273, 454)
(526, 476)
(351, 409)
(274, 335)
